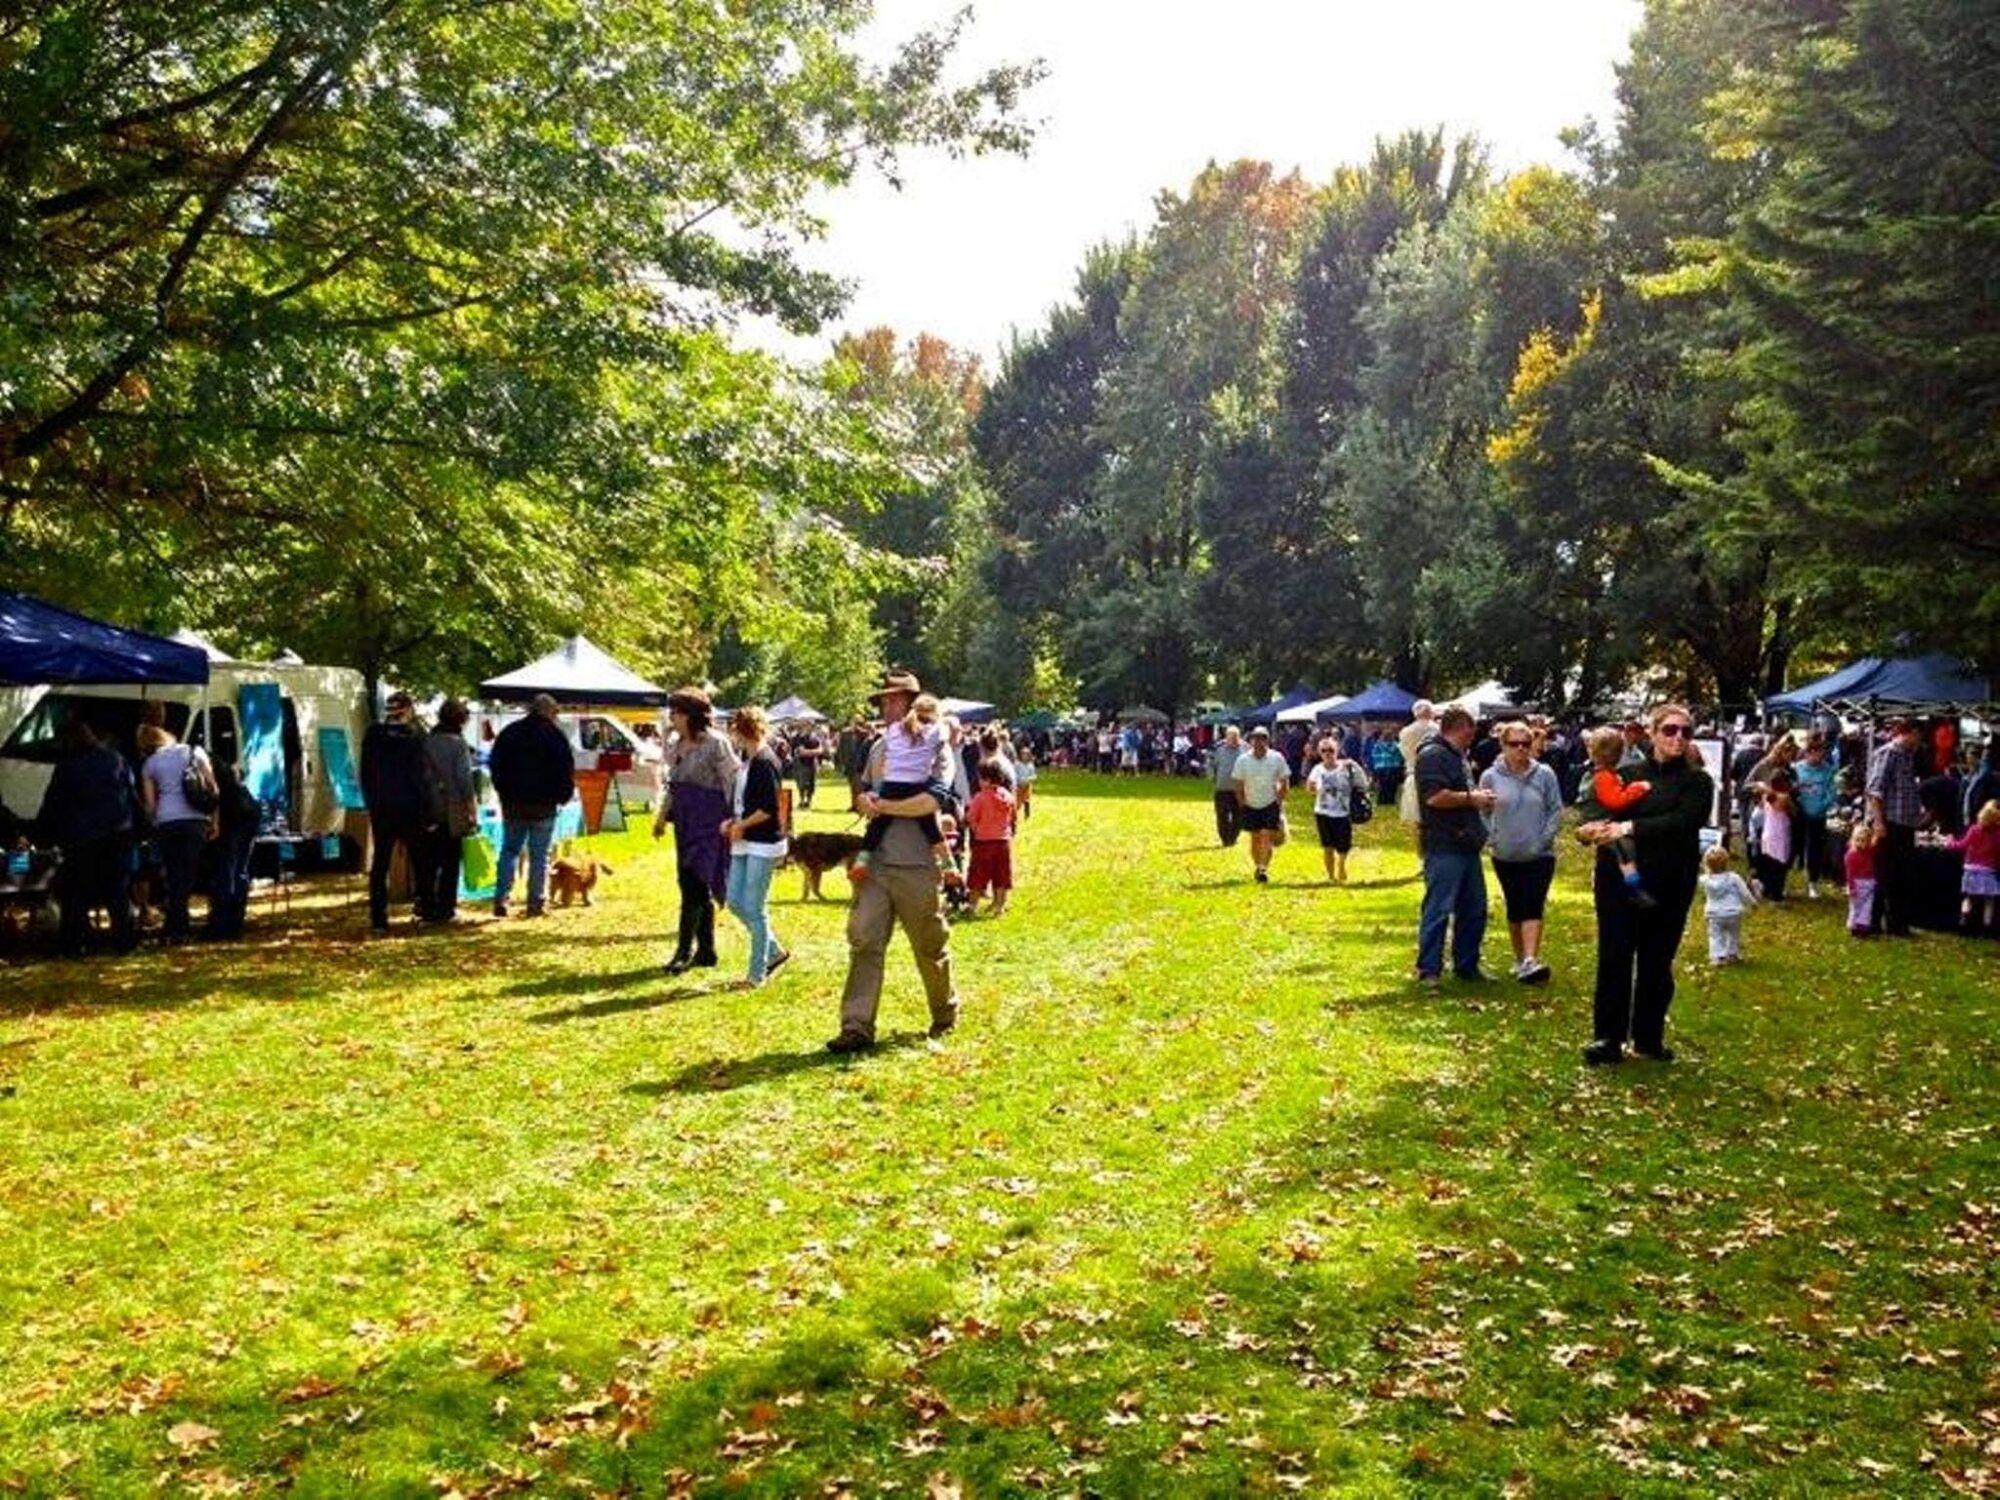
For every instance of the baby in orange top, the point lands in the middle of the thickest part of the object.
(990, 818)
(1608, 796)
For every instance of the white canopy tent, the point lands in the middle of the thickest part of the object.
(1308, 713)
(1484, 700)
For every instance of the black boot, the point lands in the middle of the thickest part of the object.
(684, 947)
(704, 937)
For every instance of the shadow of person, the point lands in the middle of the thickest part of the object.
(618, 1005)
(716, 1075)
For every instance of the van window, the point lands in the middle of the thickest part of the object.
(38, 737)
(228, 747)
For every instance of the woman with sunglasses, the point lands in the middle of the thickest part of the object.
(1636, 943)
(1526, 816)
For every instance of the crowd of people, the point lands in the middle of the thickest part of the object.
(1646, 806)
(939, 803)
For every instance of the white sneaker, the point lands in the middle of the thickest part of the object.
(1521, 968)
(1812, 891)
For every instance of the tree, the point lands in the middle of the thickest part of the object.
(1865, 272)
(286, 274)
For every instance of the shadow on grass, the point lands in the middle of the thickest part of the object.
(611, 1005)
(715, 1075)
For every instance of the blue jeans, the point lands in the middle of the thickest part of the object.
(537, 836)
(748, 898)
(229, 896)
(1454, 892)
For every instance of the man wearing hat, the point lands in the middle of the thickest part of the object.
(904, 885)
(1261, 777)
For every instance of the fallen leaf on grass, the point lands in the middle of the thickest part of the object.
(190, 1437)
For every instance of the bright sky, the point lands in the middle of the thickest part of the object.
(1142, 93)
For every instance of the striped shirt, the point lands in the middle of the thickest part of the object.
(1892, 776)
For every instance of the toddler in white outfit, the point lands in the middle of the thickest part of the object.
(1729, 897)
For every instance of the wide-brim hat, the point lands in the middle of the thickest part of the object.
(896, 681)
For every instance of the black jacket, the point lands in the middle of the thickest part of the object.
(532, 768)
(1667, 824)
(90, 796)
(392, 771)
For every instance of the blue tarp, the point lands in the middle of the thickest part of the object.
(260, 711)
(1916, 679)
(1379, 700)
(1266, 713)
(40, 643)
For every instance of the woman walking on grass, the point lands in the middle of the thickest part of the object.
(756, 837)
(1333, 782)
(1526, 816)
(701, 780)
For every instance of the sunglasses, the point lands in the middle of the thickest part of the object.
(1671, 731)
(1516, 744)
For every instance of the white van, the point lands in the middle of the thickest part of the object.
(596, 741)
(310, 698)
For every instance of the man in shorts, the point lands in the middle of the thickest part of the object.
(1261, 777)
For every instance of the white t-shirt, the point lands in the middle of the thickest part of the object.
(1331, 787)
(1260, 777)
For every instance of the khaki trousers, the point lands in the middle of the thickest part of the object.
(908, 894)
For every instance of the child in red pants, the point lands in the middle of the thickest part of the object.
(990, 818)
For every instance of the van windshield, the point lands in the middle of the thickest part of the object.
(38, 737)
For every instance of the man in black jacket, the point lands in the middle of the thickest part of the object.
(87, 814)
(392, 781)
(533, 774)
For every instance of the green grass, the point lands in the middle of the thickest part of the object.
(1203, 1197)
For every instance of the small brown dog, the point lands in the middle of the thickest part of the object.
(816, 853)
(574, 876)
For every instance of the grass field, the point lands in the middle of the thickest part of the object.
(1203, 1197)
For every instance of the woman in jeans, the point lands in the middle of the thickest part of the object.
(701, 780)
(179, 827)
(1527, 813)
(756, 837)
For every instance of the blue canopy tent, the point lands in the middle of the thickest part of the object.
(1379, 700)
(40, 643)
(1268, 712)
(1917, 682)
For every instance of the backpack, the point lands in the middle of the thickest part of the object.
(1359, 808)
(198, 784)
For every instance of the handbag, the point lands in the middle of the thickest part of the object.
(1359, 808)
(478, 865)
(198, 786)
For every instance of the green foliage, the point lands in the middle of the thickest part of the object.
(391, 322)
(1865, 276)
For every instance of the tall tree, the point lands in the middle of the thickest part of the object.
(1868, 273)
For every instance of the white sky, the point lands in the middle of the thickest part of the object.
(1142, 93)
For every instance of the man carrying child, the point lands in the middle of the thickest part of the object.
(903, 881)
